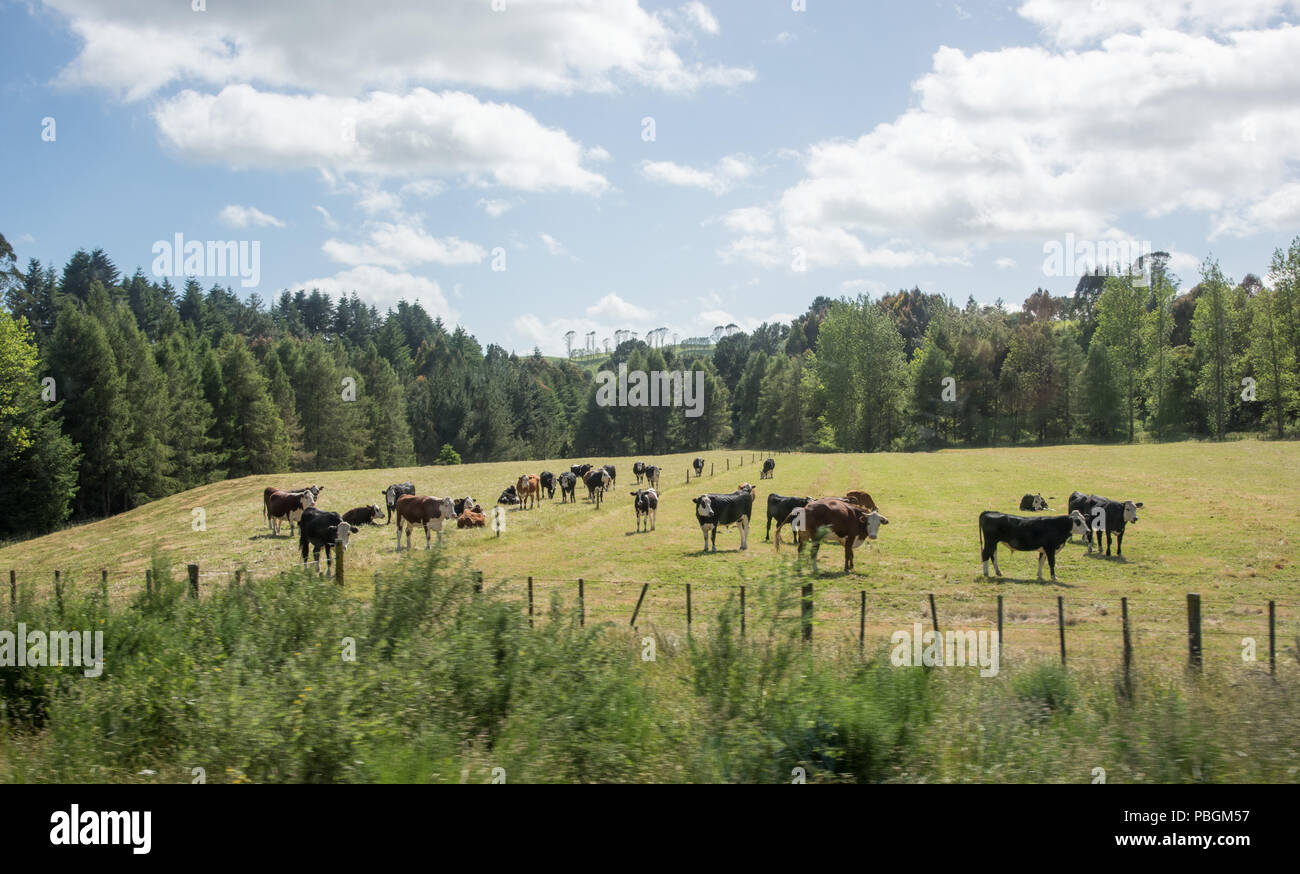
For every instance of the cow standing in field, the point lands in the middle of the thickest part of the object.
(638, 470)
(270, 490)
(581, 470)
(1033, 503)
(652, 473)
(529, 487)
(596, 481)
(834, 520)
(358, 516)
(429, 513)
(392, 493)
(282, 506)
(548, 484)
(714, 511)
(645, 503)
(609, 469)
(698, 464)
(779, 507)
(768, 467)
(322, 530)
(568, 482)
(1047, 534)
(1103, 514)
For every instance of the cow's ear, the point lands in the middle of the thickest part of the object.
(1138, 504)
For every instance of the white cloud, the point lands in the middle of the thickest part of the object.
(1077, 22)
(419, 134)
(719, 179)
(384, 289)
(1004, 263)
(136, 48)
(555, 247)
(400, 246)
(611, 306)
(495, 208)
(701, 17)
(1275, 210)
(328, 219)
(750, 220)
(248, 216)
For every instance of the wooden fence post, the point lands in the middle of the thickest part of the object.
(58, 593)
(862, 621)
(742, 611)
(103, 585)
(1194, 631)
(194, 580)
(239, 578)
(148, 584)
(688, 609)
(13, 590)
(645, 587)
(478, 582)
(1060, 622)
(339, 550)
(582, 605)
(934, 620)
(530, 602)
(710, 468)
(1128, 649)
(999, 626)
(806, 612)
(1272, 632)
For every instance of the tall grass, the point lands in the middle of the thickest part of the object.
(258, 683)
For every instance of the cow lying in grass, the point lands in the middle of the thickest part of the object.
(358, 516)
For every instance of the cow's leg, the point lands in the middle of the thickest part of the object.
(427, 537)
(768, 536)
(1107, 543)
(1051, 562)
(744, 532)
(654, 513)
(848, 555)
(993, 554)
(1119, 542)
(816, 545)
(1042, 554)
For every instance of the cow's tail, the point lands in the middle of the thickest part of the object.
(980, 526)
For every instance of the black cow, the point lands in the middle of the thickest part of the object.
(779, 508)
(597, 481)
(392, 493)
(714, 511)
(698, 464)
(645, 503)
(568, 481)
(460, 505)
(637, 470)
(548, 484)
(509, 496)
(358, 516)
(1103, 514)
(580, 470)
(320, 528)
(1046, 534)
(1033, 503)
(609, 469)
(768, 466)
(652, 475)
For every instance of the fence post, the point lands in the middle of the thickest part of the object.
(103, 585)
(148, 584)
(582, 605)
(339, 549)
(806, 612)
(862, 621)
(728, 462)
(742, 611)
(530, 602)
(710, 468)
(1194, 631)
(239, 578)
(1273, 632)
(13, 590)
(999, 626)
(1060, 623)
(58, 593)
(934, 620)
(194, 580)
(645, 587)
(1128, 649)
(688, 609)
(478, 582)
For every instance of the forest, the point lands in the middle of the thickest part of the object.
(117, 390)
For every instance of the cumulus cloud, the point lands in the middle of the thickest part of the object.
(138, 47)
(555, 247)
(1076, 22)
(248, 216)
(719, 179)
(384, 289)
(402, 245)
(495, 208)
(611, 306)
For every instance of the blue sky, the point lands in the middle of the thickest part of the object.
(401, 149)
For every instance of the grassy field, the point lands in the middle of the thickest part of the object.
(1218, 519)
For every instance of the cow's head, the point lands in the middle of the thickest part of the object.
(375, 512)
(342, 533)
(307, 500)
(873, 520)
(1039, 503)
(1078, 524)
(745, 487)
(1131, 511)
(521, 484)
(704, 507)
(446, 508)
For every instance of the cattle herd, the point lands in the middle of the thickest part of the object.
(850, 520)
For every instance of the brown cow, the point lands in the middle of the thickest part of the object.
(861, 498)
(529, 486)
(472, 517)
(266, 500)
(281, 506)
(422, 510)
(837, 521)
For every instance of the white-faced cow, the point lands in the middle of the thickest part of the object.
(568, 482)
(358, 516)
(698, 464)
(768, 467)
(509, 496)
(609, 469)
(1103, 514)
(321, 529)
(529, 488)
(652, 473)
(1047, 534)
(597, 481)
(424, 511)
(284, 506)
(638, 469)
(834, 520)
(645, 503)
(392, 493)
(1034, 503)
(713, 511)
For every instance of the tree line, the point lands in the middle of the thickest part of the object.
(118, 390)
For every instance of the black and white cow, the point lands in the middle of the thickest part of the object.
(358, 516)
(321, 529)
(597, 482)
(509, 496)
(768, 466)
(568, 482)
(1034, 503)
(460, 505)
(698, 464)
(645, 503)
(548, 483)
(1103, 514)
(1047, 534)
(609, 469)
(580, 470)
(714, 511)
(779, 507)
(392, 493)
(652, 473)
(638, 469)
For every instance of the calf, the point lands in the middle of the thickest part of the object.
(358, 516)
(392, 493)
(463, 504)
(714, 511)
(768, 466)
(837, 521)
(645, 503)
(282, 506)
(509, 496)
(779, 508)
(548, 484)
(652, 476)
(596, 481)
(1033, 503)
(471, 517)
(638, 469)
(698, 464)
(1103, 514)
(429, 513)
(529, 487)
(320, 529)
(567, 484)
(1047, 534)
